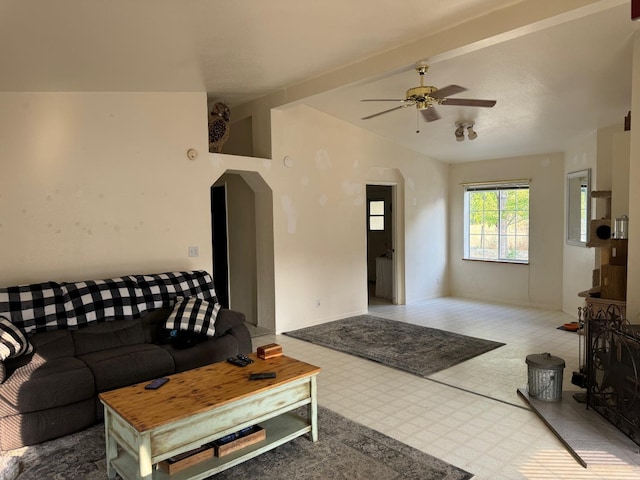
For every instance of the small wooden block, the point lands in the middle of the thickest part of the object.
(269, 351)
(185, 460)
(256, 436)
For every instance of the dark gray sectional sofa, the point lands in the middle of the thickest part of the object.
(90, 337)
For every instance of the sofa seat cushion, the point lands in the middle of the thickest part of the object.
(35, 427)
(107, 335)
(121, 366)
(43, 385)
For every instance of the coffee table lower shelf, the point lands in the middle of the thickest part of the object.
(280, 429)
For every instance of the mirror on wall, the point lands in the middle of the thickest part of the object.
(578, 207)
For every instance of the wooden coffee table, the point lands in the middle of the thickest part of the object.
(144, 427)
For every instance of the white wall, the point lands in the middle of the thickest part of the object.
(537, 284)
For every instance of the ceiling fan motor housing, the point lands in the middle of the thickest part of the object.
(422, 96)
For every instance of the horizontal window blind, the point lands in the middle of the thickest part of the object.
(501, 185)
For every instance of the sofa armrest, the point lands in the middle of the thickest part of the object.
(226, 320)
(243, 337)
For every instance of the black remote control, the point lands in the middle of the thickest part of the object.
(262, 375)
(157, 383)
(244, 358)
(237, 362)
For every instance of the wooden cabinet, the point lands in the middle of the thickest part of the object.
(613, 282)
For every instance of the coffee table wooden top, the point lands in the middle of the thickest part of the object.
(201, 389)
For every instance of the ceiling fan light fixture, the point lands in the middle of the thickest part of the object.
(460, 133)
(471, 133)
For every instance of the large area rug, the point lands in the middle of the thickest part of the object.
(345, 450)
(412, 348)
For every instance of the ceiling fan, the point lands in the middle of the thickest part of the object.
(425, 97)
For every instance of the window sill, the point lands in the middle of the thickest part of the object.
(495, 261)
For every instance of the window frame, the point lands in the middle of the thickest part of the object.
(376, 215)
(502, 237)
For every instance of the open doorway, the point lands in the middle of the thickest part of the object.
(242, 242)
(380, 244)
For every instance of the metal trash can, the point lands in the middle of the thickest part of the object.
(545, 377)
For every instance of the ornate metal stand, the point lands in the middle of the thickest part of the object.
(613, 363)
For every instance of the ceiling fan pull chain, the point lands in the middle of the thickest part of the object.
(417, 122)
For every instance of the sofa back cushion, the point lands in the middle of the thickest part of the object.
(153, 322)
(53, 344)
(161, 289)
(103, 336)
(49, 306)
(95, 301)
(47, 346)
(39, 306)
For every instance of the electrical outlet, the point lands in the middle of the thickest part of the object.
(194, 251)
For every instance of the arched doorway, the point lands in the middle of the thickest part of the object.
(242, 241)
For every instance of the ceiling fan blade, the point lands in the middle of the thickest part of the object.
(468, 102)
(430, 114)
(446, 91)
(383, 112)
(382, 100)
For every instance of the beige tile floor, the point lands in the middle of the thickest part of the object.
(469, 415)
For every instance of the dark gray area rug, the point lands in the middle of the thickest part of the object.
(345, 450)
(412, 348)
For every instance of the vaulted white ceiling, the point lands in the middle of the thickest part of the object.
(552, 82)
(551, 85)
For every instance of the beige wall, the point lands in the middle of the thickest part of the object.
(320, 221)
(99, 184)
(606, 153)
(241, 221)
(578, 262)
(633, 272)
(621, 161)
(537, 284)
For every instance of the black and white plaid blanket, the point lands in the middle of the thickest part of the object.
(50, 305)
